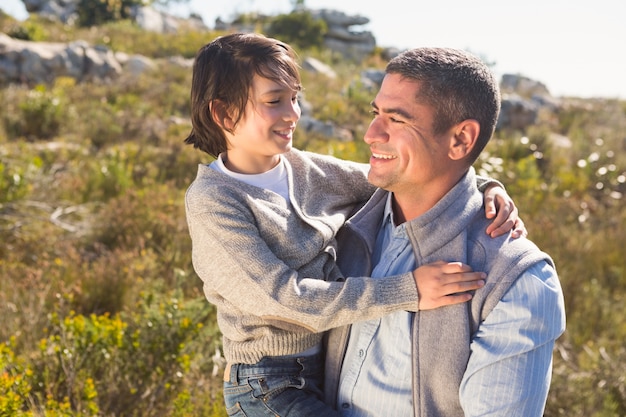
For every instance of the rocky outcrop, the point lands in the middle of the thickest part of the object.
(523, 99)
(42, 62)
(61, 10)
(517, 112)
(523, 102)
(151, 19)
(34, 63)
(523, 86)
(148, 18)
(342, 37)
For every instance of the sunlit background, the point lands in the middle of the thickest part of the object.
(575, 48)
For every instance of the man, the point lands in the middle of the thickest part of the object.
(435, 112)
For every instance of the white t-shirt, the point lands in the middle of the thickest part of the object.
(274, 180)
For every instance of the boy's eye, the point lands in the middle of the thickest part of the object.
(273, 100)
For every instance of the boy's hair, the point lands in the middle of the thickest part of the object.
(223, 70)
(456, 84)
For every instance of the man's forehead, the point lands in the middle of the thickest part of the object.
(398, 95)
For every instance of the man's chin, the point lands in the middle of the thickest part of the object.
(376, 181)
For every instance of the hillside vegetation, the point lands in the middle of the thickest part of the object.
(102, 314)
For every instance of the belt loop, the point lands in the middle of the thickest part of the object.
(230, 373)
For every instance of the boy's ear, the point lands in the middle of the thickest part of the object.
(220, 114)
(464, 139)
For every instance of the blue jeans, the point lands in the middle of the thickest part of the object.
(277, 387)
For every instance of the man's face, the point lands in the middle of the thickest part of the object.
(406, 155)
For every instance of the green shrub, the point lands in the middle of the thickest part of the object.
(41, 113)
(29, 30)
(13, 185)
(14, 382)
(299, 29)
(97, 12)
(112, 175)
(125, 364)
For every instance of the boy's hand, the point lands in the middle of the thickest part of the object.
(501, 208)
(445, 283)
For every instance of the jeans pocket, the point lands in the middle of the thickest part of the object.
(287, 396)
(234, 395)
(235, 411)
(264, 387)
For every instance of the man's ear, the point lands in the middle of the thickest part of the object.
(464, 139)
(220, 115)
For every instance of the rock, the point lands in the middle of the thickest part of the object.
(517, 112)
(327, 129)
(523, 86)
(316, 66)
(524, 101)
(150, 19)
(341, 36)
(59, 10)
(41, 62)
(135, 65)
(146, 17)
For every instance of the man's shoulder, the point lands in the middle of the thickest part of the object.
(503, 255)
(507, 262)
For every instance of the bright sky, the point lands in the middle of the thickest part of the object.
(574, 47)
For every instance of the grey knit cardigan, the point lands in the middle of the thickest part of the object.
(269, 266)
(453, 230)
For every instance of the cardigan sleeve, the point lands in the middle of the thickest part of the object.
(243, 276)
(484, 182)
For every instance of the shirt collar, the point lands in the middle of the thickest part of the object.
(388, 220)
(388, 231)
(388, 213)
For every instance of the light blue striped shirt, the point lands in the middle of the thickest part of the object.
(376, 378)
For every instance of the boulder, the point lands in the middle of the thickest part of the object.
(41, 62)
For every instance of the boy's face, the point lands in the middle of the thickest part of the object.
(266, 128)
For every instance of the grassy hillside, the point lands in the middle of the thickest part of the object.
(102, 313)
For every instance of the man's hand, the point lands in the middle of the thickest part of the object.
(501, 208)
(445, 283)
